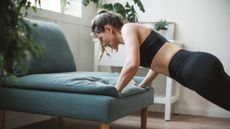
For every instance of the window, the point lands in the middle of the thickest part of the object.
(70, 7)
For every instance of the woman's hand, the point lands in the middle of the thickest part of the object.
(132, 83)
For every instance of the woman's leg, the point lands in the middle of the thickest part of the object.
(205, 75)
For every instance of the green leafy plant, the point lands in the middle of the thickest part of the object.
(161, 25)
(127, 10)
(17, 44)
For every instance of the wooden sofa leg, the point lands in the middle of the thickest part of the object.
(104, 126)
(2, 119)
(60, 121)
(144, 114)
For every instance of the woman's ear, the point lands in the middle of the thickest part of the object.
(109, 28)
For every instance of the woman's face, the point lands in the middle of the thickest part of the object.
(109, 38)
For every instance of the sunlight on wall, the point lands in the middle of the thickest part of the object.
(74, 7)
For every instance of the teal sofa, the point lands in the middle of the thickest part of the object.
(52, 86)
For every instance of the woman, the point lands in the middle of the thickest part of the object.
(198, 71)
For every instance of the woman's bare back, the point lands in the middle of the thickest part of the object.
(162, 58)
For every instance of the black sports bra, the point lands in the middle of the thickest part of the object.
(150, 47)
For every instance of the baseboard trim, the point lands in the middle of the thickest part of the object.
(194, 110)
(203, 111)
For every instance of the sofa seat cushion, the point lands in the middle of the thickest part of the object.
(101, 83)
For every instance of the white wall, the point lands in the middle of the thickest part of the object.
(202, 25)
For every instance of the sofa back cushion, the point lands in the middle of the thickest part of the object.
(56, 56)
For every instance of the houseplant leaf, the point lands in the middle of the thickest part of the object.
(107, 6)
(131, 13)
(127, 11)
(140, 5)
(17, 44)
(119, 8)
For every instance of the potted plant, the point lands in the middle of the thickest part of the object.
(161, 26)
(127, 10)
(17, 44)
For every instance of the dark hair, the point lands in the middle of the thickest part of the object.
(103, 18)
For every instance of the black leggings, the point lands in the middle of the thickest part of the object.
(203, 73)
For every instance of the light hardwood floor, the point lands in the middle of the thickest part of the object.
(155, 121)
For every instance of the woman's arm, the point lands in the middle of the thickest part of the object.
(151, 75)
(126, 75)
(132, 60)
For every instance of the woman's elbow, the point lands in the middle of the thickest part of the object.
(133, 67)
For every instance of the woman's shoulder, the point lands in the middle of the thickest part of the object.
(129, 29)
(129, 26)
(135, 26)
(136, 30)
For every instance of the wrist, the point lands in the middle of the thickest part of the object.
(118, 89)
(141, 85)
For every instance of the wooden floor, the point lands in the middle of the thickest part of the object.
(155, 121)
